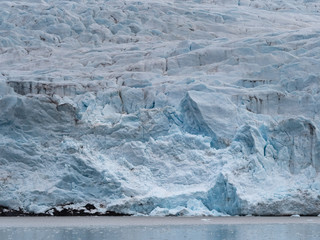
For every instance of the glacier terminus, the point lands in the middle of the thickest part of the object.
(157, 108)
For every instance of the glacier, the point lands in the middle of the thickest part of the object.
(172, 107)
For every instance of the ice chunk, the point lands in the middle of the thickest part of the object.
(5, 89)
(223, 197)
(210, 114)
(297, 144)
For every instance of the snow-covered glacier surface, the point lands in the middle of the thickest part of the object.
(171, 107)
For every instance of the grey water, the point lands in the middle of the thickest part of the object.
(204, 230)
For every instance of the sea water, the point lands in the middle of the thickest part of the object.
(158, 229)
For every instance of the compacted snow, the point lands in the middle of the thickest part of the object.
(203, 107)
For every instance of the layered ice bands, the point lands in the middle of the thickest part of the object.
(203, 107)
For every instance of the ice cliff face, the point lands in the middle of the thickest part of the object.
(160, 107)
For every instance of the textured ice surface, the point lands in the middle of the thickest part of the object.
(160, 107)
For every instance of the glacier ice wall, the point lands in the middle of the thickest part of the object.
(160, 108)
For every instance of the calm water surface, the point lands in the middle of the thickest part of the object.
(203, 229)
